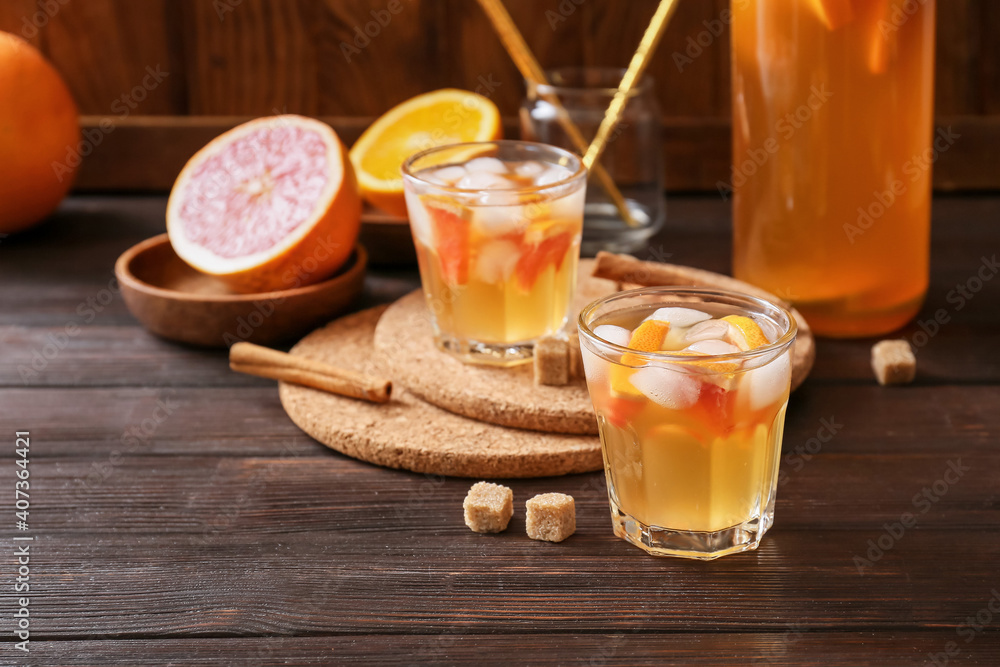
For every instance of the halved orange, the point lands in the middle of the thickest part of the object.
(438, 118)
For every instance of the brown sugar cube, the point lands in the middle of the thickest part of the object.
(551, 517)
(575, 356)
(893, 362)
(552, 361)
(488, 507)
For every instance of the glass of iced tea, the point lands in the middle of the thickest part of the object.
(690, 388)
(497, 229)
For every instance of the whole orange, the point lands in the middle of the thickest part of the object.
(39, 135)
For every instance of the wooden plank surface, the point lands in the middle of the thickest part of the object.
(180, 518)
(696, 150)
(790, 647)
(358, 58)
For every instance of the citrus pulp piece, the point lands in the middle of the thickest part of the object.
(647, 337)
(833, 13)
(550, 251)
(746, 334)
(437, 118)
(450, 227)
(881, 39)
(271, 204)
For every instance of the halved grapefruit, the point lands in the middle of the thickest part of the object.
(447, 116)
(270, 205)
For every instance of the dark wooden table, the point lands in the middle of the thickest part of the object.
(180, 518)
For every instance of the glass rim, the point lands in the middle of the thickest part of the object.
(643, 85)
(580, 171)
(783, 341)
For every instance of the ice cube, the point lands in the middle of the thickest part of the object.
(679, 317)
(489, 165)
(673, 389)
(553, 173)
(496, 260)
(498, 220)
(765, 385)
(420, 220)
(449, 175)
(707, 330)
(484, 180)
(594, 367)
(529, 169)
(768, 327)
(712, 347)
(613, 334)
(569, 207)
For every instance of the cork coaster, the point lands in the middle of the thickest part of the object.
(509, 396)
(411, 434)
(404, 341)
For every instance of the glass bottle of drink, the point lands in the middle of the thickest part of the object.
(832, 155)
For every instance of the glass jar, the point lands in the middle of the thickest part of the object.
(633, 157)
(833, 105)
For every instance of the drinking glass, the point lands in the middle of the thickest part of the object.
(691, 432)
(633, 157)
(497, 229)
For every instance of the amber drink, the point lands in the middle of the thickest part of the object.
(690, 388)
(833, 149)
(497, 229)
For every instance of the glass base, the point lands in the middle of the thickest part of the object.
(604, 229)
(832, 322)
(699, 545)
(488, 354)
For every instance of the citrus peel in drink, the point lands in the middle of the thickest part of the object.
(833, 13)
(745, 334)
(269, 205)
(647, 337)
(438, 118)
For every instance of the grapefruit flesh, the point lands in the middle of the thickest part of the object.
(270, 205)
(39, 136)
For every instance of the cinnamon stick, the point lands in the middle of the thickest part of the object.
(629, 270)
(264, 362)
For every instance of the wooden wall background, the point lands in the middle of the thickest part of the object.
(231, 59)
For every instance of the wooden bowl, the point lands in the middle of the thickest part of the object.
(175, 301)
(388, 239)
